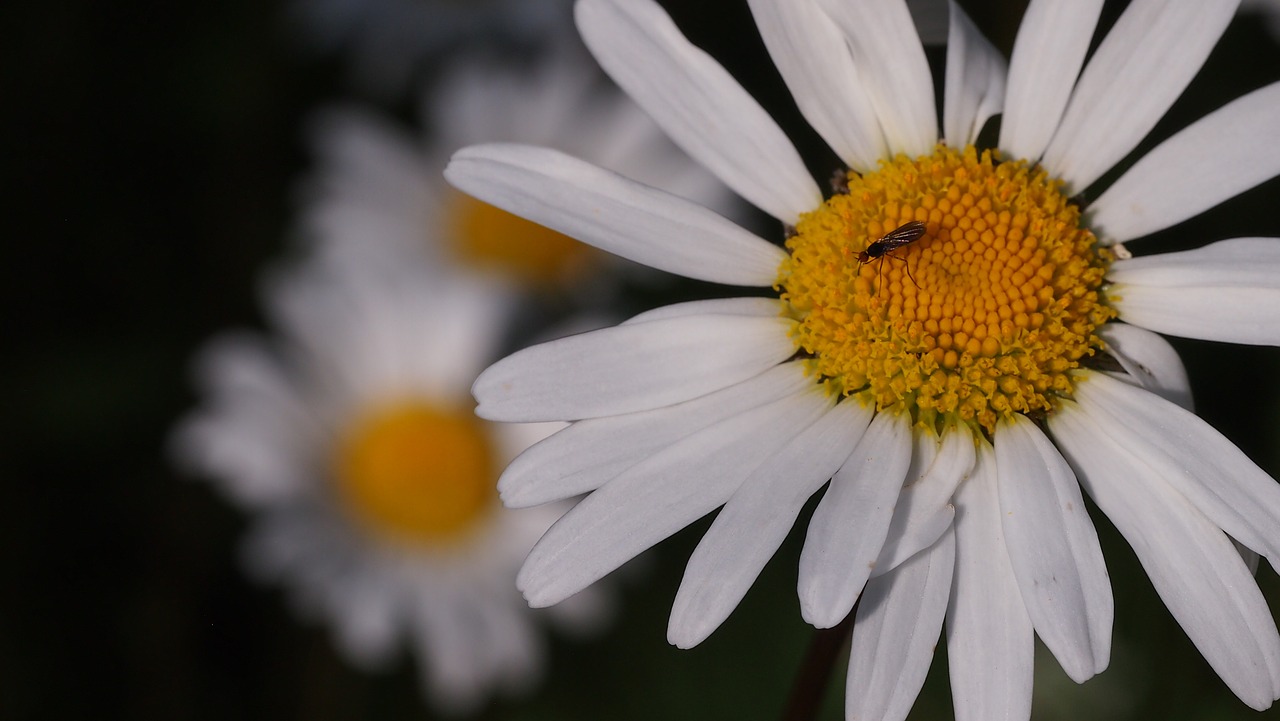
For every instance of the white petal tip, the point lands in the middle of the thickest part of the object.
(453, 172)
(538, 597)
(513, 488)
(450, 172)
(1080, 677)
(1259, 704)
(820, 619)
(682, 639)
(513, 499)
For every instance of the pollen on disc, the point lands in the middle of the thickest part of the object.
(983, 315)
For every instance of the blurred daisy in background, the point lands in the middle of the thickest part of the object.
(377, 195)
(352, 438)
(956, 343)
(386, 43)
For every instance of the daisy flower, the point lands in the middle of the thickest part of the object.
(957, 388)
(377, 196)
(352, 438)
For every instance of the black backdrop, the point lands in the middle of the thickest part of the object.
(148, 154)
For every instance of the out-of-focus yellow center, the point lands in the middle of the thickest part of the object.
(982, 317)
(417, 472)
(491, 238)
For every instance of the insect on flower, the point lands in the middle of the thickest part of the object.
(903, 235)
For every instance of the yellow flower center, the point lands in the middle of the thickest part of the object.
(982, 316)
(491, 238)
(417, 472)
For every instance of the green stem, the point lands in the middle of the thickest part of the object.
(815, 670)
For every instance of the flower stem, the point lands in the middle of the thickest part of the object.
(815, 671)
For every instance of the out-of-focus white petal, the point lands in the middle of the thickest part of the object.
(931, 21)
(893, 68)
(814, 60)
(630, 368)
(1149, 360)
(371, 190)
(762, 307)
(924, 511)
(588, 453)
(895, 632)
(615, 214)
(975, 81)
(1141, 67)
(698, 104)
(1191, 563)
(512, 439)
(1053, 549)
(1192, 457)
(990, 641)
(280, 546)
(849, 526)
(756, 520)
(255, 432)
(472, 640)
(1226, 291)
(660, 495)
(1215, 158)
(1052, 40)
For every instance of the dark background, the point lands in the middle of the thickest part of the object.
(148, 152)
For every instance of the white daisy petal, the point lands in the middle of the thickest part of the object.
(756, 520)
(1191, 563)
(990, 641)
(850, 524)
(1215, 158)
(615, 214)
(630, 368)
(813, 58)
(1141, 67)
(895, 632)
(924, 511)
(1237, 262)
(1052, 40)
(1149, 360)
(659, 496)
(698, 104)
(975, 81)
(1053, 549)
(894, 69)
(588, 453)
(762, 307)
(1192, 457)
(1226, 291)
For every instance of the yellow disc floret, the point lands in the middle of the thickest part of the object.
(983, 316)
(417, 472)
(491, 238)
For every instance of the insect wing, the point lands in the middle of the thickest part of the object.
(903, 234)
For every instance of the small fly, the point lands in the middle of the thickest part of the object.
(903, 235)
